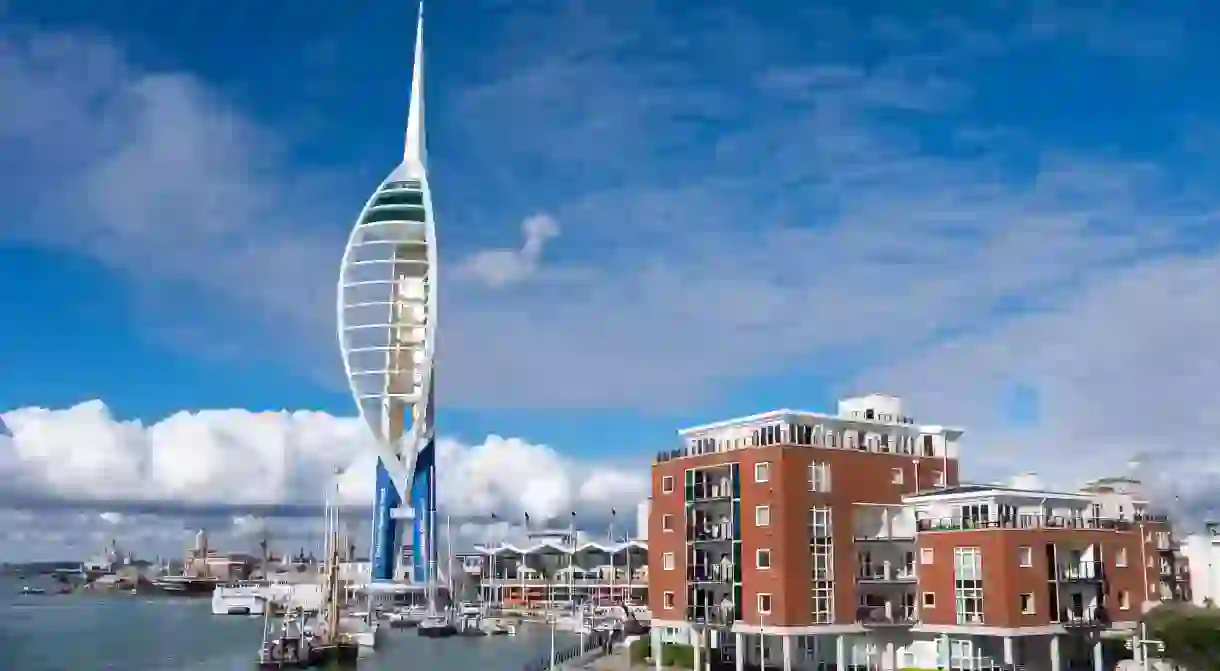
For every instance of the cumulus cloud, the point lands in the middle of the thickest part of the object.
(502, 267)
(234, 458)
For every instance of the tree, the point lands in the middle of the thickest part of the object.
(1191, 635)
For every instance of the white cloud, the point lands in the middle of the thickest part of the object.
(238, 457)
(502, 267)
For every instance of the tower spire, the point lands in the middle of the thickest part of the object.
(414, 152)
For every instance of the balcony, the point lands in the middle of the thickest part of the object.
(711, 533)
(886, 574)
(717, 573)
(708, 491)
(1092, 571)
(1095, 617)
(882, 617)
(1023, 522)
(723, 615)
(883, 537)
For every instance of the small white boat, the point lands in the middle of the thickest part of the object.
(32, 590)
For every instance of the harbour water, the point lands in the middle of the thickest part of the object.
(122, 632)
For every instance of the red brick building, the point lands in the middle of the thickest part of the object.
(815, 541)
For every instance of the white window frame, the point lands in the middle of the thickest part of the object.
(1120, 558)
(1124, 600)
(923, 602)
(667, 601)
(1033, 607)
(762, 471)
(759, 603)
(761, 512)
(819, 477)
(667, 484)
(667, 561)
(927, 556)
(667, 523)
(758, 555)
(968, 567)
(896, 476)
(1025, 556)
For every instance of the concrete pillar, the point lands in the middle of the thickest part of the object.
(1009, 655)
(698, 650)
(1098, 661)
(739, 655)
(1055, 653)
(787, 642)
(891, 656)
(656, 648)
(841, 652)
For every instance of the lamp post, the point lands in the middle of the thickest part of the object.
(553, 619)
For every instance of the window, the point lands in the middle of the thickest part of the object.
(1027, 604)
(762, 558)
(896, 477)
(822, 549)
(762, 516)
(968, 585)
(929, 599)
(1124, 600)
(926, 555)
(939, 478)
(762, 471)
(667, 484)
(928, 450)
(819, 477)
(667, 561)
(764, 603)
(1025, 556)
(1120, 557)
(667, 523)
(669, 601)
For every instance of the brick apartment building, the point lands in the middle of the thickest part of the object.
(804, 540)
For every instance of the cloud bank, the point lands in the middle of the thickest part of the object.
(222, 465)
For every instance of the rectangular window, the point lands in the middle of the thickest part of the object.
(1025, 556)
(968, 584)
(928, 450)
(669, 601)
(667, 523)
(667, 561)
(764, 604)
(821, 545)
(896, 476)
(762, 516)
(762, 559)
(926, 555)
(819, 477)
(667, 484)
(929, 599)
(939, 478)
(1124, 600)
(762, 471)
(1120, 557)
(1027, 604)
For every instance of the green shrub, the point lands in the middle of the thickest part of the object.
(1191, 635)
(640, 650)
(675, 654)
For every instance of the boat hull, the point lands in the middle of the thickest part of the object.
(444, 631)
(343, 655)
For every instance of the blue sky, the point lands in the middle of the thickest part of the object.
(1003, 211)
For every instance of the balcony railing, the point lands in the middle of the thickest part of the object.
(897, 537)
(879, 617)
(709, 492)
(886, 574)
(563, 581)
(1083, 572)
(711, 532)
(723, 616)
(711, 573)
(1022, 522)
(1094, 616)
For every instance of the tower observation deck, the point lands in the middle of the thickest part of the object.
(387, 334)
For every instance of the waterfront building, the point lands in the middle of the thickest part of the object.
(387, 312)
(804, 540)
(1200, 569)
(557, 569)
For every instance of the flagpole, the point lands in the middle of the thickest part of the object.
(613, 555)
(572, 561)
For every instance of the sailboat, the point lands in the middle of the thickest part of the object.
(438, 623)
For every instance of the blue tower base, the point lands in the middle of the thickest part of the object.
(386, 529)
